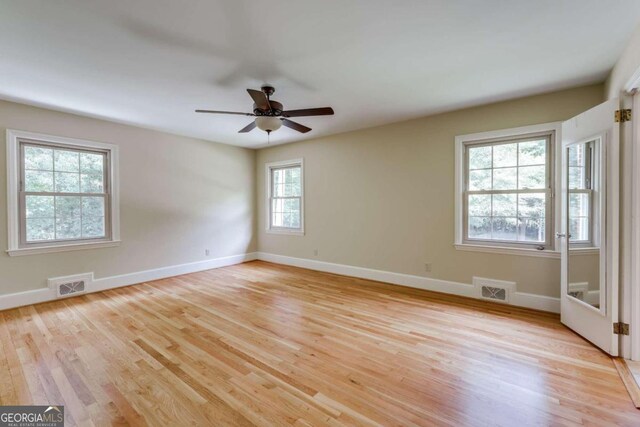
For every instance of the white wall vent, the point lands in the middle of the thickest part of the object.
(71, 285)
(494, 290)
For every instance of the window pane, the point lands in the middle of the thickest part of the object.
(286, 213)
(479, 157)
(479, 227)
(576, 155)
(532, 177)
(68, 206)
(67, 161)
(532, 229)
(91, 183)
(480, 180)
(278, 176)
(277, 219)
(38, 158)
(504, 229)
(92, 227)
(532, 153)
(532, 205)
(505, 155)
(91, 163)
(93, 206)
(68, 228)
(479, 205)
(292, 204)
(278, 189)
(579, 205)
(286, 182)
(39, 206)
(577, 178)
(40, 229)
(277, 216)
(68, 209)
(36, 181)
(505, 179)
(505, 205)
(578, 229)
(67, 182)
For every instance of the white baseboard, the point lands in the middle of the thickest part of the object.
(520, 299)
(96, 285)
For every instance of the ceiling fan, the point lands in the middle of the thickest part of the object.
(270, 115)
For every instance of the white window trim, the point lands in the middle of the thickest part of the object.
(276, 165)
(13, 183)
(556, 128)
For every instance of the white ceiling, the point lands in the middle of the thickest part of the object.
(152, 62)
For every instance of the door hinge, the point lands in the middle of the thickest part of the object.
(622, 116)
(621, 328)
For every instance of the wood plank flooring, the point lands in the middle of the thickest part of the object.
(263, 344)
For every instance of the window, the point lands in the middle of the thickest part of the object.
(581, 193)
(61, 193)
(505, 184)
(285, 185)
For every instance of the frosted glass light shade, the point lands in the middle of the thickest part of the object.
(268, 124)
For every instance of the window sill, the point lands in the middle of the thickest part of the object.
(285, 232)
(62, 248)
(504, 250)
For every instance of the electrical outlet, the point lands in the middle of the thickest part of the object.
(206, 252)
(315, 252)
(427, 267)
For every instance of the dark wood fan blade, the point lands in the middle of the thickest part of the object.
(295, 126)
(225, 112)
(260, 99)
(324, 111)
(248, 128)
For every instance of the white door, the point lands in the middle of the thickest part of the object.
(589, 235)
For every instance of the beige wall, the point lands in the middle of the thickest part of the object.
(179, 196)
(383, 198)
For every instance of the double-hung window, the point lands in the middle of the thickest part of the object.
(61, 193)
(506, 191)
(285, 187)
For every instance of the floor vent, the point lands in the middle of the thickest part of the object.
(579, 290)
(71, 285)
(494, 290)
(489, 292)
(65, 289)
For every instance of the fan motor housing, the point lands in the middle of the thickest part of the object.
(276, 109)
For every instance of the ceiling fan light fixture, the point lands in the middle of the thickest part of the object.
(268, 124)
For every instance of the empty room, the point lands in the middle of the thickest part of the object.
(319, 213)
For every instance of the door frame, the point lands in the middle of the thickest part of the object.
(631, 287)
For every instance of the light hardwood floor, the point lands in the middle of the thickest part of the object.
(263, 344)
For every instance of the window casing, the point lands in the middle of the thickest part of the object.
(285, 197)
(505, 185)
(62, 194)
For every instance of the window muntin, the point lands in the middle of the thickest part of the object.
(508, 192)
(581, 193)
(285, 197)
(64, 194)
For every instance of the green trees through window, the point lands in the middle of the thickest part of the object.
(63, 194)
(507, 191)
